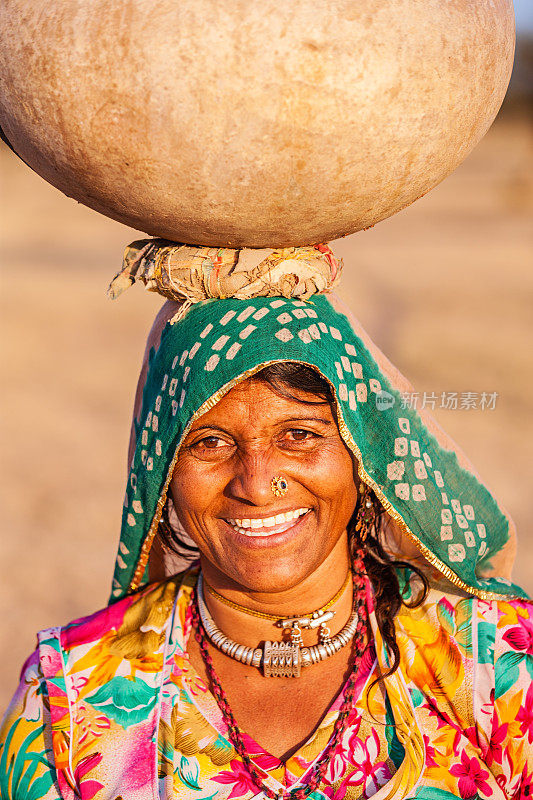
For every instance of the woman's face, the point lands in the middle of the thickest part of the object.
(221, 487)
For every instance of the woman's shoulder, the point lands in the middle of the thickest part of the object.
(444, 598)
(147, 609)
(130, 628)
(467, 655)
(71, 664)
(497, 633)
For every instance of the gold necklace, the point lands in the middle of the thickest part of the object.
(292, 625)
(276, 617)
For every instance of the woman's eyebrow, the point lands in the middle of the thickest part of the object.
(321, 420)
(208, 428)
(309, 419)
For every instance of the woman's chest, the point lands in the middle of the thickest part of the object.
(198, 755)
(279, 713)
(160, 735)
(370, 759)
(426, 747)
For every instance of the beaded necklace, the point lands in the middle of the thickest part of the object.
(283, 659)
(235, 733)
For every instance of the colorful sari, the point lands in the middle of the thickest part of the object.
(110, 708)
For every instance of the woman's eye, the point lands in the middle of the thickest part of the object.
(300, 435)
(296, 433)
(210, 447)
(212, 442)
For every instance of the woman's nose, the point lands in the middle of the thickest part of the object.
(252, 478)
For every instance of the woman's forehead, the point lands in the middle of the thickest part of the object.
(253, 402)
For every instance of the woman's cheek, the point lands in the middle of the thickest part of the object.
(331, 468)
(187, 485)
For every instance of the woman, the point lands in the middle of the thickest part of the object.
(349, 629)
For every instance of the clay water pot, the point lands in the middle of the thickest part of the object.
(252, 122)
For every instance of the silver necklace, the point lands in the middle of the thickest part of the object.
(277, 659)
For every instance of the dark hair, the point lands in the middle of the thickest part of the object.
(290, 379)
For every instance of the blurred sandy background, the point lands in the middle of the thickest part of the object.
(444, 288)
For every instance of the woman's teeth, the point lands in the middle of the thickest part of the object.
(266, 527)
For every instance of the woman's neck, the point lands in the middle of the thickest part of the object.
(311, 594)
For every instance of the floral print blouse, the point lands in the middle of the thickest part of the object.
(109, 708)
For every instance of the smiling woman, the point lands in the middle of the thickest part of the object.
(241, 527)
(222, 488)
(341, 624)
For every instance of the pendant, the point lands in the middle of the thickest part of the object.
(284, 659)
(281, 660)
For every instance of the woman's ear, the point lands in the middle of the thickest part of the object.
(163, 562)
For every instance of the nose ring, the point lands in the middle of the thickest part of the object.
(279, 485)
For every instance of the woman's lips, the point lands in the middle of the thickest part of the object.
(263, 528)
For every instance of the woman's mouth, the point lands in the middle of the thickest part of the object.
(267, 526)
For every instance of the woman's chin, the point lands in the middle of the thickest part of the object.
(269, 565)
(275, 578)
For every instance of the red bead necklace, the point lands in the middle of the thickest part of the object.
(235, 733)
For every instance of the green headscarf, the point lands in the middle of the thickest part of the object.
(440, 505)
